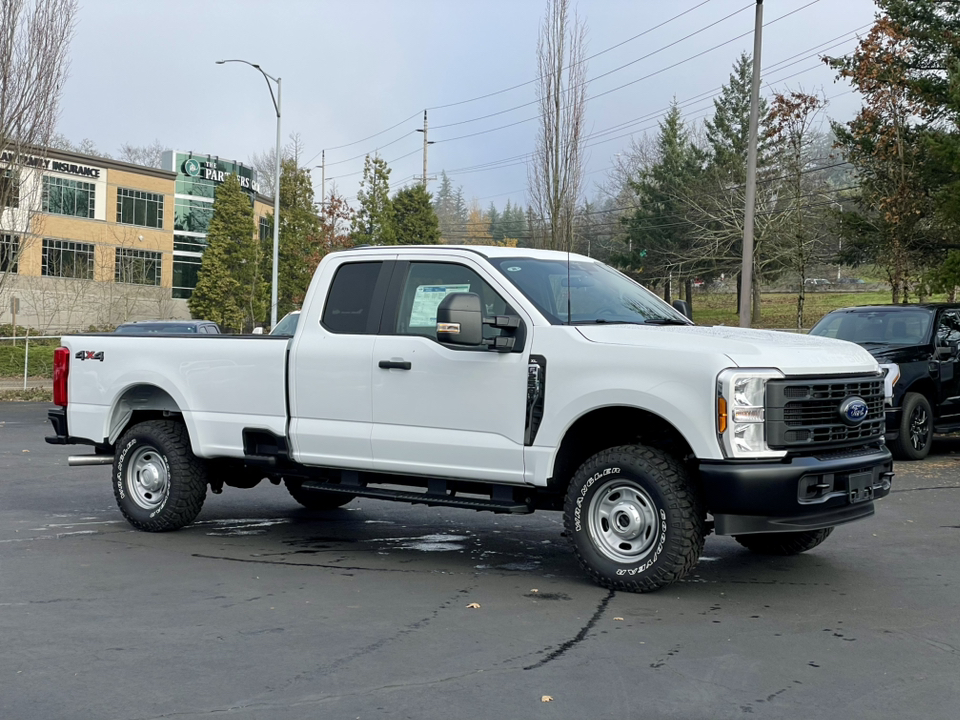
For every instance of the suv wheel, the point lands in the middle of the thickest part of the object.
(916, 428)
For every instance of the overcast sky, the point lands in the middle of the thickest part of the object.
(146, 70)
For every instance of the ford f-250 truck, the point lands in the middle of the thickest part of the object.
(496, 379)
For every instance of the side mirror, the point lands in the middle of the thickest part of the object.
(460, 319)
(946, 352)
(683, 307)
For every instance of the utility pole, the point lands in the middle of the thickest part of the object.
(425, 144)
(746, 270)
(323, 179)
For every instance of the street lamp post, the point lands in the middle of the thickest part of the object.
(276, 187)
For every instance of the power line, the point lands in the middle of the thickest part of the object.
(618, 224)
(609, 72)
(503, 127)
(590, 57)
(633, 82)
(514, 87)
(512, 161)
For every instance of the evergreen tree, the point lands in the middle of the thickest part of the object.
(728, 133)
(228, 285)
(414, 217)
(661, 240)
(495, 219)
(299, 232)
(373, 223)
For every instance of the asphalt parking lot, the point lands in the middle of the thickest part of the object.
(265, 610)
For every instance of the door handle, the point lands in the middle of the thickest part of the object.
(395, 364)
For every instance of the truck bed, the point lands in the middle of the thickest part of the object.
(221, 383)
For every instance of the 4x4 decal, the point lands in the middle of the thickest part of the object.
(89, 355)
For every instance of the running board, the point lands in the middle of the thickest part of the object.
(422, 498)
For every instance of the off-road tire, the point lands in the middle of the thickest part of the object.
(911, 444)
(317, 499)
(785, 543)
(159, 447)
(651, 484)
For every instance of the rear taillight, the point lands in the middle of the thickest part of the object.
(61, 368)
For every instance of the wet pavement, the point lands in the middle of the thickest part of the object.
(262, 609)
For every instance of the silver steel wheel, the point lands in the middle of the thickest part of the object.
(147, 478)
(919, 428)
(624, 523)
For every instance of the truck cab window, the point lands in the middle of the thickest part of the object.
(428, 283)
(350, 300)
(948, 332)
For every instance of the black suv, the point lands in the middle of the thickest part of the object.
(918, 347)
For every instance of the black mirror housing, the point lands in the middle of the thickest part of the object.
(683, 307)
(460, 319)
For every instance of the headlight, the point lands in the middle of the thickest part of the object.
(741, 394)
(891, 373)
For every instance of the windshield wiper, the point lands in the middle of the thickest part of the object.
(665, 321)
(604, 321)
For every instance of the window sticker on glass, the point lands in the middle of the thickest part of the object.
(427, 300)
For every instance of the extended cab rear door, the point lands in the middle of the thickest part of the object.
(440, 410)
(330, 362)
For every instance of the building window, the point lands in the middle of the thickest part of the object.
(138, 267)
(266, 228)
(63, 258)
(186, 268)
(9, 252)
(192, 215)
(9, 189)
(189, 243)
(68, 197)
(135, 207)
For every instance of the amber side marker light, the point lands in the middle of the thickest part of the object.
(721, 415)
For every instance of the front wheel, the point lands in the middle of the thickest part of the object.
(158, 482)
(916, 428)
(635, 520)
(784, 543)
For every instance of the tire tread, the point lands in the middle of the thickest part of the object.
(681, 497)
(188, 493)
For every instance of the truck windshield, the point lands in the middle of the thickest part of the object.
(878, 327)
(593, 293)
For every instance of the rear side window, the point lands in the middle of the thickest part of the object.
(350, 301)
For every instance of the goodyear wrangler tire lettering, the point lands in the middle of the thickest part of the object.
(635, 520)
(158, 483)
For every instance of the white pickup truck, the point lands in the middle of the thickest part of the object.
(497, 379)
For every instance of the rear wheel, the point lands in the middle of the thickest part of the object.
(635, 520)
(916, 428)
(316, 499)
(785, 543)
(158, 482)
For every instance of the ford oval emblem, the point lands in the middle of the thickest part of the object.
(853, 410)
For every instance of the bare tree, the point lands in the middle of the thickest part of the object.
(795, 117)
(265, 163)
(145, 155)
(34, 38)
(555, 175)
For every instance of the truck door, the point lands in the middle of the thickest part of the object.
(948, 336)
(438, 410)
(330, 398)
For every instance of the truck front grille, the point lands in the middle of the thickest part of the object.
(804, 414)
